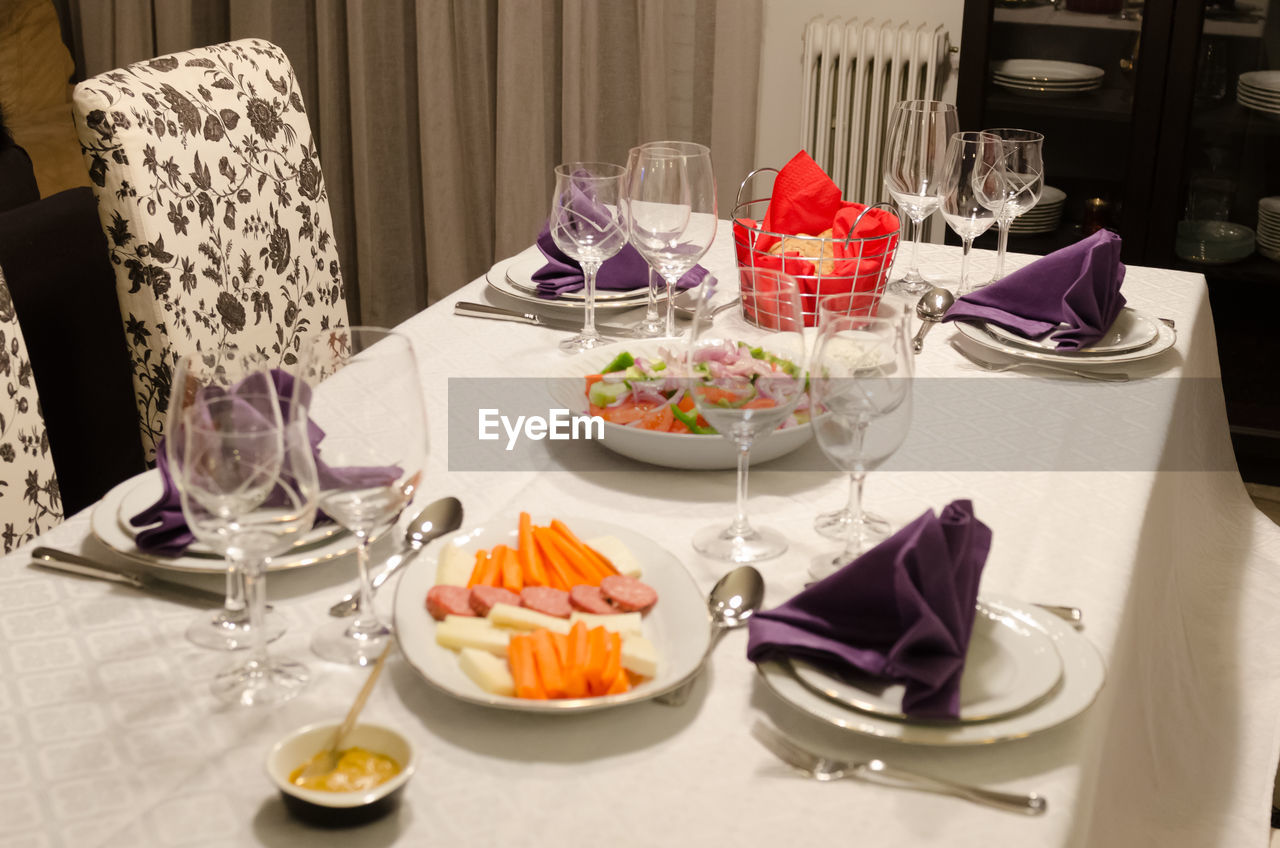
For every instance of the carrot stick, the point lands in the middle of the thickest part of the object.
(620, 684)
(533, 571)
(558, 572)
(593, 668)
(524, 669)
(590, 553)
(584, 570)
(549, 672)
(477, 572)
(575, 667)
(512, 578)
(492, 570)
(613, 661)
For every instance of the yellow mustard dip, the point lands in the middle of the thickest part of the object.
(357, 771)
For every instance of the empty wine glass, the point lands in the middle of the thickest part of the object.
(745, 379)
(671, 210)
(1022, 185)
(860, 385)
(915, 156)
(229, 628)
(974, 174)
(588, 226)
(247, 481)
(371, 458)
(653, 323)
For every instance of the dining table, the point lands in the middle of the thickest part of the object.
(110, 736)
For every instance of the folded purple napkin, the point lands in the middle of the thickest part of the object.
(904, 611)
(625, 271)
(164, 527)
(1071, 296)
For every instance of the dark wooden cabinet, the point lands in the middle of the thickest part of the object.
(1164, 140)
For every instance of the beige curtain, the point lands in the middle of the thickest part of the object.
(439, 121)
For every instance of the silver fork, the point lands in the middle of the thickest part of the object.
(988, 365)
(876, 771)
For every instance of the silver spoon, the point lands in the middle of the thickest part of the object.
(932, 307)
(436, 519)
(732, 601)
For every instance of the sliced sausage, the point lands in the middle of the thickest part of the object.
(590, 599)
(449, 600)
(628, 594)
(484, 597)
(547, 600)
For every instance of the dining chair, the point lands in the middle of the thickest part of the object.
(30, 502)
(217, 219)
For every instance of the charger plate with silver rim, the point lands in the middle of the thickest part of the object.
(679, 626)
(1083, 674)
(1130, 331)
(1009, 667)
(110, 525)
(503, 275)
(979, 334)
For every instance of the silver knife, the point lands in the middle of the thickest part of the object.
(484, 310)
(75, 564)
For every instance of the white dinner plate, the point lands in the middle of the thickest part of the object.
(1265, 80)
(1130, 331)
(1083, 674)
(671, 450)
(1045, 86)
(1165, 339)
(1009, 667)
(524, 263)
(679, 625)
(110, 525)
(1047, 70)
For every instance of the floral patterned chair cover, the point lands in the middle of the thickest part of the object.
(30, 502)
(210, 192)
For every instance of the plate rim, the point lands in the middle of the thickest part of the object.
(495, 278)
(1003, 622)
(1093, 71)
(1012, 338)
(1085, 655)
(577, 296)
(572, 706)
(1166, 339)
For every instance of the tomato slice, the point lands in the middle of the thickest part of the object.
(760, 403)
(625, 413)
(659, 419)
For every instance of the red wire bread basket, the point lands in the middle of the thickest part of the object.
(854, 256)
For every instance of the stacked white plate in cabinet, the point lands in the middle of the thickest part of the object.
(1268, 233)
(1044, 217)
(1260, 91)
(1046, 76)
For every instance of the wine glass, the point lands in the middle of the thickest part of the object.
(671, 210)
(860, 384)
(1022, 185)
(974, 174)
(745, 379)
(915, 156)
(371, 457)
(587, 225)
(652, 324)
(229, 628)
(247, 480)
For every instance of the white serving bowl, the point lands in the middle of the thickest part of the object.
(339, 809)
(672, 450)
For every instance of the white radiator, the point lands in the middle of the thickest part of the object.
(854, 73)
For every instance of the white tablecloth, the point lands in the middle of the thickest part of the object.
(108, 735)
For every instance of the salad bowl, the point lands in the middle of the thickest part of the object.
(672, 450)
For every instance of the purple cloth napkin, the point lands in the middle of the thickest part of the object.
(1072, 295)
(624, 271)
(904, 611)
(164, 527)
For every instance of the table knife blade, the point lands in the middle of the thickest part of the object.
(484, 310)
(56, 560)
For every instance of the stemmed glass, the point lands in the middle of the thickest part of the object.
(974, 175)
(247, 481)
(653, 323)
(1022, 185)
(671, 210)
(915, 156)
(745, 380)
(370, 461)
(588, 226)
(860, 384)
